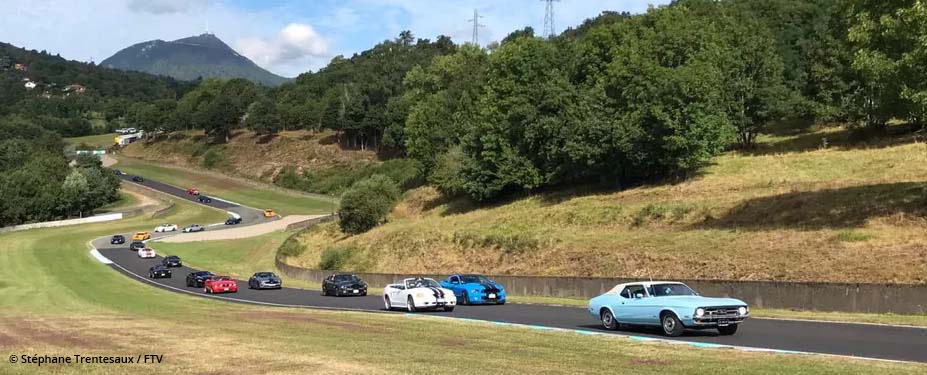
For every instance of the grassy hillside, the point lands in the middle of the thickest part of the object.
(71, 304)
(252, 156)
(808, 204)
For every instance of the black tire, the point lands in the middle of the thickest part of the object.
(500, 303)
(206, 290)
(728, 330)
(671, 325)
(464, 299)
(387, 304)
(364, 294)
(448, 308)
(324, 292)
(410, 304)
(608, 320)
(150, 276)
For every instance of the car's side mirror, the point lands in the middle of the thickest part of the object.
(639, 295)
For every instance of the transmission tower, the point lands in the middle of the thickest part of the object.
(550, 30)
(476, 26)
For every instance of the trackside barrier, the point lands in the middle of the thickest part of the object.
(310, 222)
(808, 296)
(62, 223)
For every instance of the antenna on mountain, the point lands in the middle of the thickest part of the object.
(550, 30)
(476, 27)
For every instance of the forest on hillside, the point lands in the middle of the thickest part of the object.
(620, 99)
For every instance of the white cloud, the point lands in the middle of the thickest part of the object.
(295, 43)
(165, 6)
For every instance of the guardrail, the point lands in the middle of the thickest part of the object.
(310, 222)
(62, 223)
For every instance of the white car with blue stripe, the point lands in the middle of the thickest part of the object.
(419, 293)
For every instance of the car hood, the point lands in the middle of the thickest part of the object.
(484, 286)
(698, 301)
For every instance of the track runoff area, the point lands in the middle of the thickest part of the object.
(870, 341)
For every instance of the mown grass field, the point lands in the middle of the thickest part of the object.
(100, 141)
(67, 303)
(791, 210)
(249, 194)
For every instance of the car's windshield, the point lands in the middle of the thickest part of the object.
(422, 283)
(342, 278)
(264, 274)
(666, 290)
(477, 279)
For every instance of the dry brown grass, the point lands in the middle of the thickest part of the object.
(851, 214)
(256, 157)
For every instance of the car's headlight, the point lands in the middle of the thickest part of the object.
(742, 310)
(699, 312)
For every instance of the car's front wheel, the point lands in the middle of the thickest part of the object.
(387, 304)
(464, 299)
(206, 290)
(150, 276)
(608, 320)
(410, 304)
(448, 308)
(728, 330)
(672, 327)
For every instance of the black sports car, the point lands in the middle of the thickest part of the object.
(264, 280)
(198, 278)
(204, 199)
(117, 240)
(171, 261)
(344, 285)
(135, 246)
(159, 272)
(233, 221)
(117, 172)
(138, 179)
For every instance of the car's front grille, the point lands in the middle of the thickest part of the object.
(722, 312)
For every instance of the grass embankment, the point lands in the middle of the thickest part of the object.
(789, 211)
(246, 193)
(70, 304)
(126, 200)
(98, 141)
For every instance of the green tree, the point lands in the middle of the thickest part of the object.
(263, 117)
(366, 203)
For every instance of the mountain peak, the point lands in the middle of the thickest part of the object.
(189, 58)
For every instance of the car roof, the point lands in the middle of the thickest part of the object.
(617, 289)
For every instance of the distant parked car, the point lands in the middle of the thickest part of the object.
(146, 252)
(141, 236)
(220, 284)
(159, 272)
(672, 306)
(475, 289)
(204, 199)
(166, 228)
(194, 228)
(344, 285)
(138, 179)
(118, 172)
(265, 280)
(136, 246)
(117, 240)
(172, 261)
(193, 191)
(233, 221)
(269, 213)
(198, 278)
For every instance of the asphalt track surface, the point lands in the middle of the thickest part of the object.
(860, 340)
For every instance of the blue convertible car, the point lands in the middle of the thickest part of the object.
(475, 289)
(670, 305)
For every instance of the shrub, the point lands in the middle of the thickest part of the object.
(292, 247)
(446, 174)
(212, 158)
(336, 258)
(366, 204)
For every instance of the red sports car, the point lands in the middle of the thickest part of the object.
(193, 191)
(220, 284)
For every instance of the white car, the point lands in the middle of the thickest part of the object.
(193, 228)
(418, 294)
(166, 228)
(146, 252)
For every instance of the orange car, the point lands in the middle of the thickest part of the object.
(268, 213)
(141, 236)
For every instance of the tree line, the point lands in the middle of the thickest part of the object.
(620, 99)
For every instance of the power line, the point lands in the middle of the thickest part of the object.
(550, 29)
(476, 26)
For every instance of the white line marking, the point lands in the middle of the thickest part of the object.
(100, 257)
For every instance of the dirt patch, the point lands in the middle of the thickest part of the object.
(303, 318)
(56, 332)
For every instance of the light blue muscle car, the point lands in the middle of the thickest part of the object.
(671, 305)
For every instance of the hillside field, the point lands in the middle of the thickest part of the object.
(806, 205)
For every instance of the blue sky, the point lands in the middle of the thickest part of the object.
(287, 37)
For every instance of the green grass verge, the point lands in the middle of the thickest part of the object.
(125, 201)
(71, 304)
(230, 189)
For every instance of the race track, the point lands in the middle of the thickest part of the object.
(862, 340)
